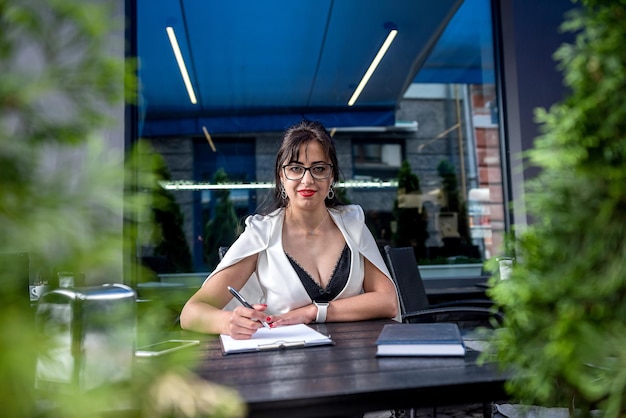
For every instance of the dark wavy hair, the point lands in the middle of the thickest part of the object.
(296, 135)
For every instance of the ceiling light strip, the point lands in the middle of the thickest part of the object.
(379, 56)
(181, 64)
(188, 185)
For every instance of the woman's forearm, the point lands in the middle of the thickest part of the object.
(201, 317)
(369, 305)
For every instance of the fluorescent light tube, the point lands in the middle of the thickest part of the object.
(181, 64)
(189, 185)
(373, 65)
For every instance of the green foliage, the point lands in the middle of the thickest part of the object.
(342, 195)
(565, 303)
(168, 235)
(63, 193)
(223, 228)
(411, 223)
(450, 184)
(58, 201)
(407, 180)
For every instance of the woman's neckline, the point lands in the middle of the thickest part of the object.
(298, 224)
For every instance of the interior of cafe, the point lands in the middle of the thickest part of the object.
(401, 84)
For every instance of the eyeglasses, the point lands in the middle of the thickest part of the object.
(318, 171)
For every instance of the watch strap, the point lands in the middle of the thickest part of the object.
(322, 310)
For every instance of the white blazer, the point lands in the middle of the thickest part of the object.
(274, 281)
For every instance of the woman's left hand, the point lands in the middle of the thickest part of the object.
(303, 315)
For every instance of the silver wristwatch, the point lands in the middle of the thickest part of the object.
(322, 309)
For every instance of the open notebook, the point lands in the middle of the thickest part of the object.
(290, 336)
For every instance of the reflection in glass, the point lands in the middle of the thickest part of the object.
(446, 131)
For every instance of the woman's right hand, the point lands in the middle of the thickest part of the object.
(244, 322)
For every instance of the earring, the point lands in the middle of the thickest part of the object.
(331, 193)
(283, 192)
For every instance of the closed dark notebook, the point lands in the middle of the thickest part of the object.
(437, 339)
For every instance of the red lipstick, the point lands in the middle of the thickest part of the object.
(306, 193)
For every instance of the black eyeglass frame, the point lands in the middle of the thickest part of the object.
(330, 172)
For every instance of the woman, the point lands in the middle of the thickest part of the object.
(309, 260)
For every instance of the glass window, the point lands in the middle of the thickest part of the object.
(431, 179)
(376, 160)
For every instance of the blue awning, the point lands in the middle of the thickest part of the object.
(261, 66)
(464, 52)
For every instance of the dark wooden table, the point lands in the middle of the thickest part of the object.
(347, 378)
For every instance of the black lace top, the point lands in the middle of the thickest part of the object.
(337, 281)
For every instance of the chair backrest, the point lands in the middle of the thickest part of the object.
(405, 273)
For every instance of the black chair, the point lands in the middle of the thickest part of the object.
(414, 303)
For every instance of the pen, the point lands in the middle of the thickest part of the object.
(240, 298)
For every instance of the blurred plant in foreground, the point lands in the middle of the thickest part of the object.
(564, 337)
(64, 194)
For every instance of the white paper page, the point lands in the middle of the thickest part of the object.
(273, 338)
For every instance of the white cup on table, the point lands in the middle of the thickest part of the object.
(506, 267)
(38, 290)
